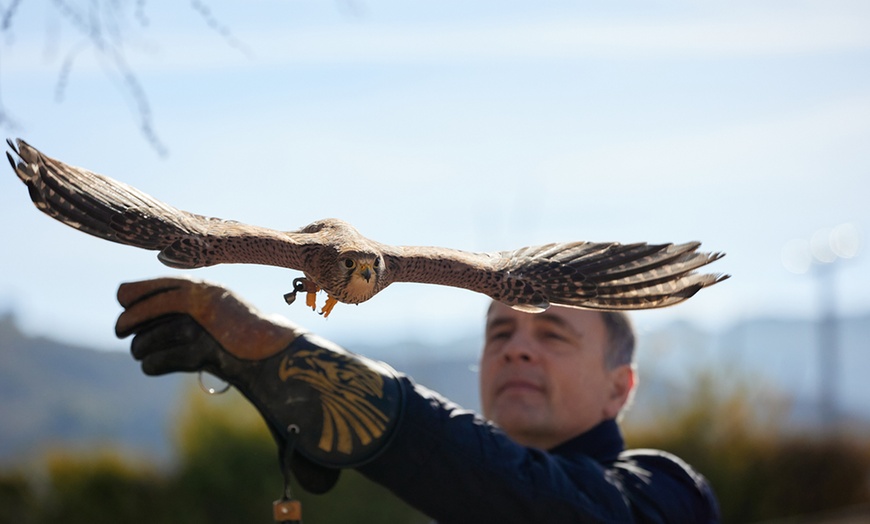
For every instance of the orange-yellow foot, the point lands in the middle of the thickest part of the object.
(311, 300)
(311, 289)
(327, 308)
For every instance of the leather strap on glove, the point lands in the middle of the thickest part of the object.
(327, 408)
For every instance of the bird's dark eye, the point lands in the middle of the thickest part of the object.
(377, 262)
(349, 263)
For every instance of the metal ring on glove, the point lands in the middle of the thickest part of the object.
(212, 391)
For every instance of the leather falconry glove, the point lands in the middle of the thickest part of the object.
(326, 408)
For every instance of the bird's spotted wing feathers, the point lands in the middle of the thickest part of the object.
(607, 276)
(112, 210)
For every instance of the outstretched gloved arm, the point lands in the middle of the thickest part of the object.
(327, 408)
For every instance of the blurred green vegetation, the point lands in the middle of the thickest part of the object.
(226, 472)
(227, 469)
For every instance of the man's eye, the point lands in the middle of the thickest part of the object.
(498, 335)
(553, 335)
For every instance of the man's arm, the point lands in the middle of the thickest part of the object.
(455, 467)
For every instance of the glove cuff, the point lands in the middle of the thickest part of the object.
(339, 409)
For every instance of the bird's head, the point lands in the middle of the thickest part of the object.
(359, 273)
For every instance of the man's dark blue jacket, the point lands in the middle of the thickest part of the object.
(455, 467)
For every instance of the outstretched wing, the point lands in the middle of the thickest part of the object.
(607, 276)
(112, 210)
(580, 274)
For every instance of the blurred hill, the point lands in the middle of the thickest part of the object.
(55, 394)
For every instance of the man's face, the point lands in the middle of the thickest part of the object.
(543, 377)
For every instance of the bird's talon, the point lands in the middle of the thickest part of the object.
(327, 307)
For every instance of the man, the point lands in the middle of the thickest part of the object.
(552, 384)
(548, 377)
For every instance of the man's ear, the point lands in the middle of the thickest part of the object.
(622, 382)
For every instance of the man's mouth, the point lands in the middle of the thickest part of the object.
(519, 385)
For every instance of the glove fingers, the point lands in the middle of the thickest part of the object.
(174, 343)
(151, 306)
(131, 292)
(236, 325)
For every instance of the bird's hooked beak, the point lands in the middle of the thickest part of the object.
(365, 271)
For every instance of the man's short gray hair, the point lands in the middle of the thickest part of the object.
(621, 339)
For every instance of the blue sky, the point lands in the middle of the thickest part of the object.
(482, 126)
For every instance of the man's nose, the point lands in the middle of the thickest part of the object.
(521, 347)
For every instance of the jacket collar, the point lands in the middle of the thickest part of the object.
(603, 443)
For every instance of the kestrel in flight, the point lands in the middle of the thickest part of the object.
(351, 268)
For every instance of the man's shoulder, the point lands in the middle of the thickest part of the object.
(658, 478)
(658, 460)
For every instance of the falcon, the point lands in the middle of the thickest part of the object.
(334, 257)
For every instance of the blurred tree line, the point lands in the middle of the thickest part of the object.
(734, 433)
(227, 471)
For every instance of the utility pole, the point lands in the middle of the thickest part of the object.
(821, 254)
(828, 347)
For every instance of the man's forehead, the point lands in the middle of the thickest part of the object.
(563, 316)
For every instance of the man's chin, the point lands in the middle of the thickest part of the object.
(519, 418)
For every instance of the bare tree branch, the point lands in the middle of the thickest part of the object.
(221, 29)
(8, 13)
(104, 28)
